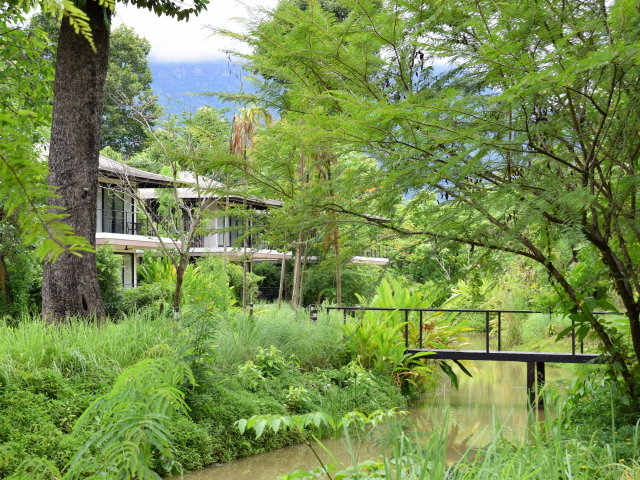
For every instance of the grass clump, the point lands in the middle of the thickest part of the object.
(81, 346)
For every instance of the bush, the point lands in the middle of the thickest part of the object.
(320, 283)
(38, 411)
(20, 274)
(235, 273)
(109, 267)
(155, 297)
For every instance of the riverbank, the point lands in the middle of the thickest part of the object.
(234, 367)
(483, 429)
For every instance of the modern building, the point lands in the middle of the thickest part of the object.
(129, 233)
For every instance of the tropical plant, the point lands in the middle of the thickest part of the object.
(132, 422)
(380, 339)
(109, 266)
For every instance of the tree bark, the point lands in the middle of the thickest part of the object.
(70, 285)
(282, 276)
(297, 266)
(336, 249)
(177, 293)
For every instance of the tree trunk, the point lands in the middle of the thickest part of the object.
(4, 282)
(244, 261)
(177, 293)
(283, 271)
(297, 264)
(70, 285)
(303, 269)
(336, 248)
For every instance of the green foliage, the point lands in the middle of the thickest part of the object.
(132, 421)
(38, 412)
(205, 285)
(25, 112)
(271, 362)
(250, 375)
(128, 89)
(514, 146)
(21, 274)
(357, 281)
(134, 375)
(235, 273)
(378, 339)
(80, 347)
(319, 344)
(154, 297)
(109, 267)
(548, 452)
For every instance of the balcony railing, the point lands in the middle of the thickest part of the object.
(118, 221)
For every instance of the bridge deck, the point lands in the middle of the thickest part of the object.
(503, 356)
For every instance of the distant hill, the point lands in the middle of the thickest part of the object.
(173, 81)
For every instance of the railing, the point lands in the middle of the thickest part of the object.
(487, 314)
(376, 251)
(198, 241)
(119, 221)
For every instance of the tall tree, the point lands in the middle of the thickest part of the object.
(243, 131)
(70, 285)
(128, 93)
(127, 90)
(25, 113)
(528, 139)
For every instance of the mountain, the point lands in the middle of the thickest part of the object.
(175, 82)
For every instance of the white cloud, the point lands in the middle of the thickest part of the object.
(190, 41)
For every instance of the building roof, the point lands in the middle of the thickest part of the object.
(147, 182)
(112, 169)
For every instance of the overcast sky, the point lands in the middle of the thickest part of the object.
(174, 41)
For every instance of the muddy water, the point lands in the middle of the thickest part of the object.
(494, 398)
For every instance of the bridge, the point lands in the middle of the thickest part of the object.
(535, 360)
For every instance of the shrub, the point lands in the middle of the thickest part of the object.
(155, 297)
(358, 281)
(109, 267)
(20, 274)
(235, 273)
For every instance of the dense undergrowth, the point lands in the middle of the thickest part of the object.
(273, 363)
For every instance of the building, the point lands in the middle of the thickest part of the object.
(129, 233)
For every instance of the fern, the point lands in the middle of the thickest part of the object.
(132, 423)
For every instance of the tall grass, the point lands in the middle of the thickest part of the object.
(81, 346)
(314, 344)
(550, 450)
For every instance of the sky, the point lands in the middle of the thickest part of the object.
(189, 42)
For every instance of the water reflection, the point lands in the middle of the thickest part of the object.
(494, 398)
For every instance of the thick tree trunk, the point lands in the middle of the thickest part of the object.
(70, 285)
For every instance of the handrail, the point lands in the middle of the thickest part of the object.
(457, 310)
(486, 312)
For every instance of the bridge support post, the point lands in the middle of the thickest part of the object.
(535, 382)
(540, 378)
(531, 387)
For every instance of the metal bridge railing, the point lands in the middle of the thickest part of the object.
(486, 313)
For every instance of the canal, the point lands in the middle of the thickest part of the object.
(495, 397)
